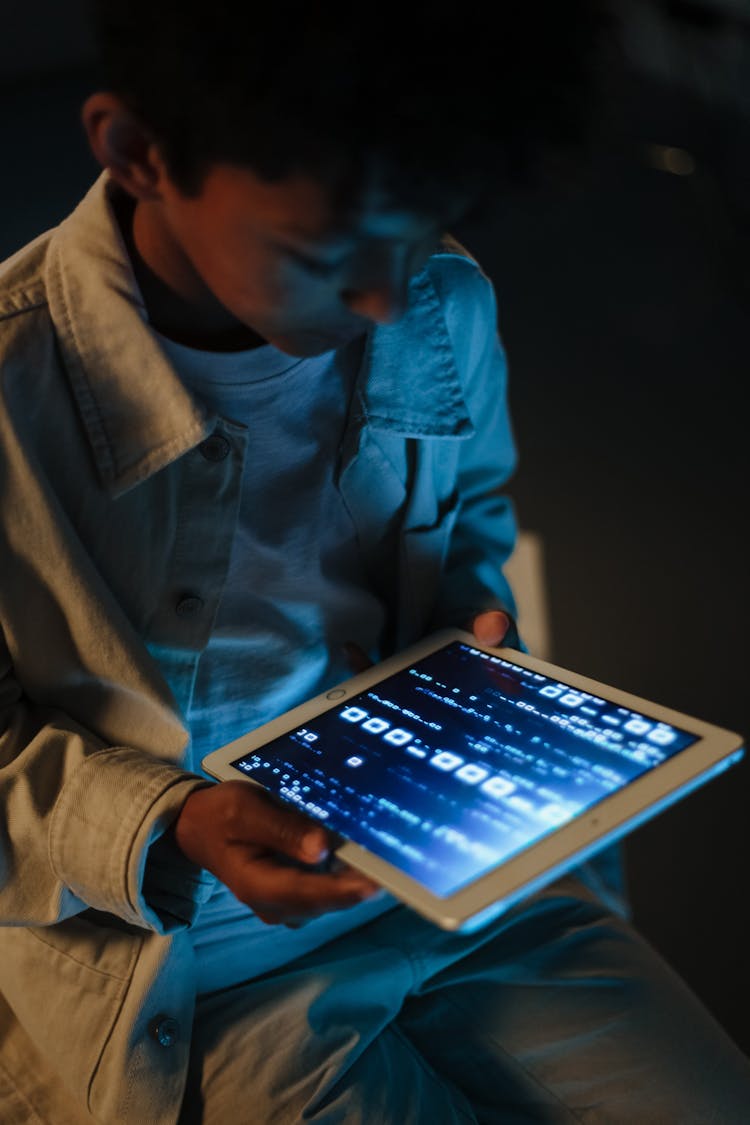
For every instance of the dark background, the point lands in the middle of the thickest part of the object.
(623, 303)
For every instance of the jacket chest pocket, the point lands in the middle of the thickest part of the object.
(403, 498)
(423, 554)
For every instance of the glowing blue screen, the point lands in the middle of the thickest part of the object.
(460, 761)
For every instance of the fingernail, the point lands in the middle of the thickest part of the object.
(313, 848)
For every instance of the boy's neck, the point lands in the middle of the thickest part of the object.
(199, 322)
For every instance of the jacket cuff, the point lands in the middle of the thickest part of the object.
(174, 889)
(110, 812)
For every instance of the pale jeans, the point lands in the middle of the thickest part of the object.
(558, 1012)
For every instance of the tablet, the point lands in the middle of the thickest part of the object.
(463, 778)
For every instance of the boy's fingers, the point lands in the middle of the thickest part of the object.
(284, 892)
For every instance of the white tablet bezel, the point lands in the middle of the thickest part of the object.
(476, 903)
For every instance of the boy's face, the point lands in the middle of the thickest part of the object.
(270, 256)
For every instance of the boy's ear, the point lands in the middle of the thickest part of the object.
(120, 143)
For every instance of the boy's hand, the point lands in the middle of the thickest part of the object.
(244, 838)
(489, 629)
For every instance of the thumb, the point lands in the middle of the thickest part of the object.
(256, 818)
(490, 628)
(295, 836)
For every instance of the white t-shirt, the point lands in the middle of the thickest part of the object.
(295, 590)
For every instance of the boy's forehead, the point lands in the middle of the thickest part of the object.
(365, 222)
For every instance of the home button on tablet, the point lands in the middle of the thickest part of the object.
(336, 693)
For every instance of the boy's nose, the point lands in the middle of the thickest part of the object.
(383, 304)
(378, 284)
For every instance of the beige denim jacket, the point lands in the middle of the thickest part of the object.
(115, 530)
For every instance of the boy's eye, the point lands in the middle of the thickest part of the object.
(317, 266)
(321, 267)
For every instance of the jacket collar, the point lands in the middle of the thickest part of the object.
(411, 382)
(138, 415)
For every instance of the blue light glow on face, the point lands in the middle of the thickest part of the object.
(459, 762)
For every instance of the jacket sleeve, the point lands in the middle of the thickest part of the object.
(485, 529)
(77, 820)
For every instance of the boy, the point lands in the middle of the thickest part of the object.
(254, 430)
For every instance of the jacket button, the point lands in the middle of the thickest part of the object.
(165, 1030)
(188, 605)
(215, 447)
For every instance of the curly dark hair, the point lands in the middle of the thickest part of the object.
(446, 100)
